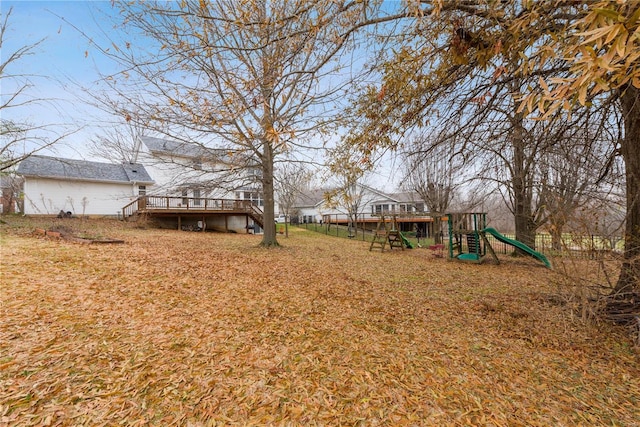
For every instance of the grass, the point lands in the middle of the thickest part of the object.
(181, 328)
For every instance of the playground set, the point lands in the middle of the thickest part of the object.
(387, 231)
(467, 238)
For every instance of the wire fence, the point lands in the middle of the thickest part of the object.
(580, 245)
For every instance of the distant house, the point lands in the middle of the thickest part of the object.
(81, 187)
(309, 207)
(315, 206)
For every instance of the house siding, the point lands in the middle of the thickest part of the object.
(49, 196)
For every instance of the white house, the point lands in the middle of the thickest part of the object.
(190, 169)
(406, 208)
(81, 187)
(309, 207)
(329, 206)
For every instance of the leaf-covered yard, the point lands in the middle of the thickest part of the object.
(196, 329)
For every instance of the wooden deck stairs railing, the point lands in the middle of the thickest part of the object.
(183, 205)
(256, 215)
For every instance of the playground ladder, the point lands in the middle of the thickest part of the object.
(395, 240)
(386, 234)
(380, 237)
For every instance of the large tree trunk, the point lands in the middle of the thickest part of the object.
(437, 227)
(268, 140)
(556, 236)
(522, 195)
(629, 279)
(268, 216)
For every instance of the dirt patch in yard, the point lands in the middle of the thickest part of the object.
(68, 234)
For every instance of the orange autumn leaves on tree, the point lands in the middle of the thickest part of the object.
(601, 48)
(549, 56)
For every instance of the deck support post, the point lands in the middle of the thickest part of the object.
(179, 223)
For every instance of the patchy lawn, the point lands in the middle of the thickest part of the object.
(180, 328)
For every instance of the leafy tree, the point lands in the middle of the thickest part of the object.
(556, 56)
(602, 52)
(249, 76)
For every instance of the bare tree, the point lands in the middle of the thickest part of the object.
(568, 178)
(257, 78)
(18, 139)
(291, 180)
(433, 172)
(349, 176)
(349, 196)
(119, 142)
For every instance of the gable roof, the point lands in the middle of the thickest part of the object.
(407, 197)
(173, 148)
(197, 151)
(383, 196)
(82, 170)
(310, 198)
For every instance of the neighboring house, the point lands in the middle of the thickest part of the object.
(81, 187)
(405, 202)
(309, 207)
(316, 206)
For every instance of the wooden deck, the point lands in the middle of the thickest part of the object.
(190, 207)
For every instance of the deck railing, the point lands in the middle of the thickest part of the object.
(177, 203)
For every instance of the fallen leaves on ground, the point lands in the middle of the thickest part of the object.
(195, 329)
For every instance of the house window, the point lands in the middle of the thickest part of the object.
(185, 195)
(255, 198)
(407, 207)
(196, 195)
(142, 190)
(420, 207)
(197, 164)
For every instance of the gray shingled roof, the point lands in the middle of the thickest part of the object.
(310, 198)
(81, 170)
(194, 150)
(175, 148)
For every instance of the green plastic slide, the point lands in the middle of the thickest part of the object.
(524, 248)
(406, 242)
